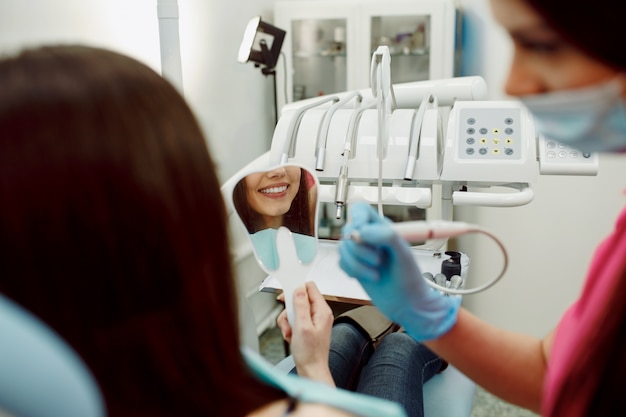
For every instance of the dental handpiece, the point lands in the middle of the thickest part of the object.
(341, 191)
(417, 231)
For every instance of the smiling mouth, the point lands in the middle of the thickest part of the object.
(274, 190)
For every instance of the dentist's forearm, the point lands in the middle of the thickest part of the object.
(509, 365)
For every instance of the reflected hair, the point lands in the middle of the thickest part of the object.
(113, 231)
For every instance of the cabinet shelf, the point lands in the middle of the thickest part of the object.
(321, 54)
(420, 53)
(324, 54)
(329, 44)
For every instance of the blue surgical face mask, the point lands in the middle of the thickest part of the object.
(591, 119)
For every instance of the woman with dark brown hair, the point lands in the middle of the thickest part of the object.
(113, 232)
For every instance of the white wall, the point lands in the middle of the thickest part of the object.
(232, 100)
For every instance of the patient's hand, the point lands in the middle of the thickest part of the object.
(310, 336)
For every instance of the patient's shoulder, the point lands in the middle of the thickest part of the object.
(280, 409)
(315, 410)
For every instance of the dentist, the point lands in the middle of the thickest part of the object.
(570, 73)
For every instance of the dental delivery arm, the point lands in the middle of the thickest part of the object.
(510, 365)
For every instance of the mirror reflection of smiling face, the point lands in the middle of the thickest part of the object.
(271, 193)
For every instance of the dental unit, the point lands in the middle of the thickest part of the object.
(430, 144)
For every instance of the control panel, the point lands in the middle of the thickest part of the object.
(488, 142)
(494, 135)
(558, 159)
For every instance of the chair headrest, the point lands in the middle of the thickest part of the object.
(40, 374)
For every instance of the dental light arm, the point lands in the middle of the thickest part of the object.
(410, 94)
(171, 67)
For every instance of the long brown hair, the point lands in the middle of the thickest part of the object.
(113, 231)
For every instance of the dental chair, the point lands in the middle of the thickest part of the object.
(40, 374)
(448, 394)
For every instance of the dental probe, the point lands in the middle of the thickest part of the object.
(415, 231)
(436, 229)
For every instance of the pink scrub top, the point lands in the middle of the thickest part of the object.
(575, 333)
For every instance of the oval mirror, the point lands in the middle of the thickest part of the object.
(278, 209)
(282, 196)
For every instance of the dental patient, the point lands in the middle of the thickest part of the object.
(113, 231)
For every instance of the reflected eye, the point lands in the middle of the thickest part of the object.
(538, 40)
(542, 47)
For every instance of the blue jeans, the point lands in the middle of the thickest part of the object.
(395, 371)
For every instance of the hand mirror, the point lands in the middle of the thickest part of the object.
(278, 209)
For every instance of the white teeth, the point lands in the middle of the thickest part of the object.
(274, 190)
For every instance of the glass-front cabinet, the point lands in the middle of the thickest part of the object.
(329, 43)
(319, 55)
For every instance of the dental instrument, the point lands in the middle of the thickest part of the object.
(417, 231)
(288, 147)
(320, 150)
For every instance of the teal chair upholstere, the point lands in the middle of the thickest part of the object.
(40, 374)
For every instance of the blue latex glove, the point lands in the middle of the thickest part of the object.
(384, 265)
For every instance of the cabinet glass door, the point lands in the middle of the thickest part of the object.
(319, 57)
(409, 45)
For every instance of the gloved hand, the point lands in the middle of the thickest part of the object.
(384, 265)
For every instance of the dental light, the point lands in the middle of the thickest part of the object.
(261, 44)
